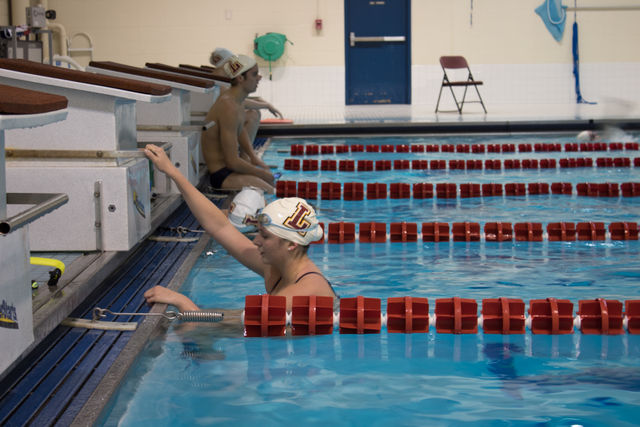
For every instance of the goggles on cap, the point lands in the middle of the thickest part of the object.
(264, 220)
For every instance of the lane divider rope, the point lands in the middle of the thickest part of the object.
(316, 149)
(373, 190)
(312, 165)
(266, 315)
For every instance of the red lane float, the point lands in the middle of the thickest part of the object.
(353, 191)
(591, 231)
(308, 190)
(551, 316)
(561, 231)
(401, 190)
(623, 230)
(600, 316)
(561, 188)
(330, 191)
(528, 231)
(301, 149)
(373, 232)
(435, 232)
(407, 315)
(403, 232)
(632, 312)
(328, 165)
(360, 315)
(342, 232)
(465, 231)
(456, 315)
(470, 190)
(422, 191)
(265, 315)
(503, 316)
(498, 232)
(365, 165)
(376, 190)
(312, 315)
(327, 149)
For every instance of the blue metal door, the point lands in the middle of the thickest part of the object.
(378, 51)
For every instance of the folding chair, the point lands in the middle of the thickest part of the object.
(456, 63)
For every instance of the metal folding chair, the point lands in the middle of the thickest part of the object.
(457, 63)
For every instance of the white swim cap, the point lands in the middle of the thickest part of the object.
(587, 136)
(220, 56)
(237, 65)
(245, 205)
(292, 219)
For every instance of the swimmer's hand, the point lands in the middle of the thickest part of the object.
(273, 110)
(162, 295)
(258, 162)
(159, 158)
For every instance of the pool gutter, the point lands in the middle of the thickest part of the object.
(394, 127)
(150, 326)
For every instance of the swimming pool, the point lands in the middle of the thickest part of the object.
(193, 377)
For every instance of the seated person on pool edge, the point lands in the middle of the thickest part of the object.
(222, 143)
(278, 253)
(252, 105)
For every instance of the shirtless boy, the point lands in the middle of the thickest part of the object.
(221, 144)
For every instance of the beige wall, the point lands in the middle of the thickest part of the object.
(510, 32)
(185, 31)
(4, 12)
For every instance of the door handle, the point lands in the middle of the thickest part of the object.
(353, 39)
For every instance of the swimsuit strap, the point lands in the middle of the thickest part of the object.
(300, 278)
(307, 273)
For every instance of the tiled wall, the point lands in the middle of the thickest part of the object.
(503, 84)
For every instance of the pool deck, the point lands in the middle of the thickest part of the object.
(87, 273)
(422, 119)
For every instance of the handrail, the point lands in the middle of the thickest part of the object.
(18, 153)
(602, 8)
(44, 203)
(177, 128)
(14, 153)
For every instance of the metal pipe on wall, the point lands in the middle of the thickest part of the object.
(602, 8)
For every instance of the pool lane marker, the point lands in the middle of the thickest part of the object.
(358, 191)
(406, 232)
(315, 149)
(266, 315)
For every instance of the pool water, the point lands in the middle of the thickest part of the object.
(194, 376)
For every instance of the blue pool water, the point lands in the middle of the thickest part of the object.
(199, 377)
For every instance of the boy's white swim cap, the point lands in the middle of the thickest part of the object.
(246, 204)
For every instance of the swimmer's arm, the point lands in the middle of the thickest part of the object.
(212, 219)
(162, 295)
(259, 103)
(247, 148)
(229, 141)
